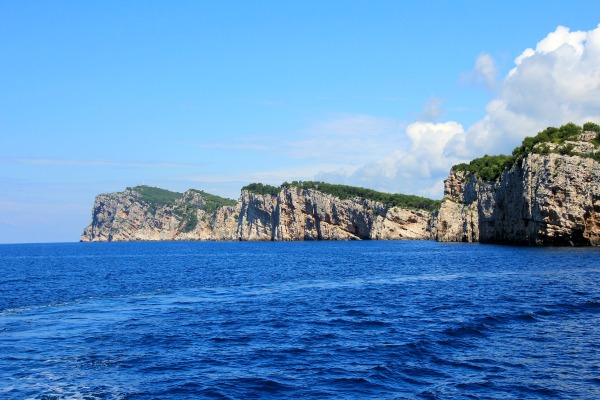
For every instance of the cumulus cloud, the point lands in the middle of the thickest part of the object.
(555, 83)
(484, 72)
(432, 111)
(419, 167)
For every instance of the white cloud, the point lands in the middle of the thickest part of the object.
(556, 83)
(352, 139)
(419, 167)
(484, 72)
(348, 139)
(432, 110)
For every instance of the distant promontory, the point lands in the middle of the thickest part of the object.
(546, 193)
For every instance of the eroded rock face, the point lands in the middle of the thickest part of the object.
(293, 214)
(123, 217)
(331, 218)
(308, 214)
(456, 222)
(548, 199)
(258, 216)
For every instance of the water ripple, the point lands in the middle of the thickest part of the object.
(384, 320)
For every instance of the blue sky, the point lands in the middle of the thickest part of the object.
(213, 95)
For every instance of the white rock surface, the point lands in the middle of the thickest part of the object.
(293, 214)
(548, 199)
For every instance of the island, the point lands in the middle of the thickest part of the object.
(546, 193)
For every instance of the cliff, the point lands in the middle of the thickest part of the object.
(293, 213)
(549, 196)
(546, 193)
(131, 215)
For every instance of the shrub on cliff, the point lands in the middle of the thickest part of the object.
(185, 210)
(487, 167)
(345, 192)
(549, 135)
(388, 199)
(155, 196)
(259, 188)
(490, 168)
(190, 223)
(592, 127)
(213, 202)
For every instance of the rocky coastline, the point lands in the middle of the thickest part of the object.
(547, 197)
(292, 214)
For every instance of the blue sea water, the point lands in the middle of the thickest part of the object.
(312, 320)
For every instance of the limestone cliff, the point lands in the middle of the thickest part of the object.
(128, 216)
(543, 199)
(546, 193)
(292, 214)
(308, 214)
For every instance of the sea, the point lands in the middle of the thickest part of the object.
(309, 320)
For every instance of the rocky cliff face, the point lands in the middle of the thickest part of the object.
(549, 199)
(125, 216)
(546, 198)
(308, 214)
(292, 214)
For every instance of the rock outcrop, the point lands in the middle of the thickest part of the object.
(308, 214)
(545, 199)
(125, 216)
(547, 193)
(291, 215)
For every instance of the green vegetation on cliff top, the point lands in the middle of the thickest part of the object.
(490, 168)
(259, 188)
(346, 192)
(161, 197)
(186, 210)
(156, 196)
(213, 202)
